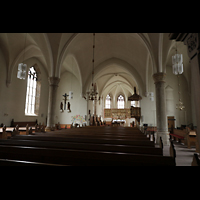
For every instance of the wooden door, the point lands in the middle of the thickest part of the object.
(170, 122)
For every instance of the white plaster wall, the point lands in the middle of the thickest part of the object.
(148, 111)
(148, 107)
(12, 98)
(186, 116)
(169, 92)
(68, 82)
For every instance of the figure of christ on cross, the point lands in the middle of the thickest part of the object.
(65, 100)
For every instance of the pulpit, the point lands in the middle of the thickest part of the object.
(135, 113)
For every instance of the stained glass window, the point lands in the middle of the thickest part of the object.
(31, 92)
(120, 102)
(108, 101)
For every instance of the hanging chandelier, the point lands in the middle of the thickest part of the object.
(177, 63)
(177, 66)
(92, 94)
(180, 104)
(21, 74)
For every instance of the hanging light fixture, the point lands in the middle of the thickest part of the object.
(177, 66)
(180, 104)
(92, 94)
(21, 74)
(135, 96)
(177, 63)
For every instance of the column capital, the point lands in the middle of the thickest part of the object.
(159, 77)
(53, 81)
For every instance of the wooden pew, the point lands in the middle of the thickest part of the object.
(82, 157)
(186, 136)
(101, 131)
(88, 133)
(125, 137)
(91, 135)
(85, 151)
(87, 140)
(161, 143)
(172, 151)
(196, 160)
(39, 128)
(4, 133)
(85, 146)
(8, 131)
(8, 162)
(23, 124)
(13, 131)
(190, 137)
(178, 135)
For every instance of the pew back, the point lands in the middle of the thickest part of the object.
(83, 157)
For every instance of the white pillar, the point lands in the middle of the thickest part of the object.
(53, 85)
(162, 128)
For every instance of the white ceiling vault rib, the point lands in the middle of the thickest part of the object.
(63, 55)
(147, 73)
(123, 84)
(160, 51)
(50, 54)
(123, 46)
(115, 66)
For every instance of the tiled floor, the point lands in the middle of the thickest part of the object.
(184, 156)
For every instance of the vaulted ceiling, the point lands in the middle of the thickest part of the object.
(122, 60)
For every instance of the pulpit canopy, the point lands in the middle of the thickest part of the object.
(135, 96)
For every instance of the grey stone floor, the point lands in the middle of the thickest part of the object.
(184, 156)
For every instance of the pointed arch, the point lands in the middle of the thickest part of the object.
(141, 36)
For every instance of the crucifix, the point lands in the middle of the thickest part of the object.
(65, 100)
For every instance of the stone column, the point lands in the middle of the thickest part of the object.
(162, 128)
(53, 85)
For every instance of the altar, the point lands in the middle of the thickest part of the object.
(122, 114)
(122, 117)
(118, 122)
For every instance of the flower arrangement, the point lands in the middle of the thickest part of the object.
(78, 119)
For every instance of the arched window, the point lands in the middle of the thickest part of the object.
(32, 93)
(135, 103)
(108, 99)
(120, 102)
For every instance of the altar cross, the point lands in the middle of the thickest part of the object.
(65, 100)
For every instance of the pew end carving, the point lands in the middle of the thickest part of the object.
(196, 160)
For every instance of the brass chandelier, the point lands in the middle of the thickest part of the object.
(92, 94)
(180, 104)
(177, 67)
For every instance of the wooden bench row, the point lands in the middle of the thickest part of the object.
(9, 162)
(87, 149)
(105, 131)
(85, 146)
(87, 140)
(95, 134)
(186, 136)
(196, 160)
(23, 123)
(82, 157)
(6, 132)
